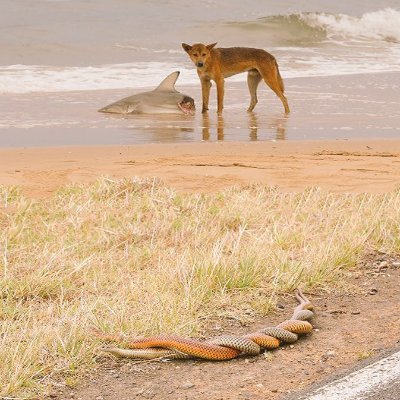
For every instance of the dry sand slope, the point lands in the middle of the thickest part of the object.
(339, 166)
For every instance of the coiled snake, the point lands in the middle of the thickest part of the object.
(223, 347)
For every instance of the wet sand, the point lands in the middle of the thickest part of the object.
(322, 108)
(337, 166)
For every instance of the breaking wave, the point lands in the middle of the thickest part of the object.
(377, 25)
(43, 78)
(316, 26)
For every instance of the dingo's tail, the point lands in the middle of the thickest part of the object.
(280, 80)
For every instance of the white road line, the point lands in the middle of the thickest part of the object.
(360, 382)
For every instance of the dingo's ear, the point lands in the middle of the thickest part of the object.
(186, 47)
(210, 46)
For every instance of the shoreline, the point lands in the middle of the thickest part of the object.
(371, 165)
(338, 107)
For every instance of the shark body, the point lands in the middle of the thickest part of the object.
(164, 99)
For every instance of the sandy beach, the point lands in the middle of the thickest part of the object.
(338, 166)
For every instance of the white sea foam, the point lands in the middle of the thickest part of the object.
(38, 78)
(378, 25)
(43, 78)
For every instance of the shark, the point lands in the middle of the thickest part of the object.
(164, 99)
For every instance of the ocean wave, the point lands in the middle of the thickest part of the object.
(380, 25)
(39, 78)
(128, 46)
(43, 78)
(338, 57)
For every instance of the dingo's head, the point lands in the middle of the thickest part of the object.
(199, 53)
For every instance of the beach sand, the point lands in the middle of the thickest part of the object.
(338, 166)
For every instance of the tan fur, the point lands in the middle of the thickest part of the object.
(219, 63)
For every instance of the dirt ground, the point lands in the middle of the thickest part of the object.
(352, 323)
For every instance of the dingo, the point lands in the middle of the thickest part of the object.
(217, 64)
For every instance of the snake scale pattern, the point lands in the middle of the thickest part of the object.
(224, 347)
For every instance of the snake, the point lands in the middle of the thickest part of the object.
(221, 348)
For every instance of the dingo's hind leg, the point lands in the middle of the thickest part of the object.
(273, 79)
(253, 79)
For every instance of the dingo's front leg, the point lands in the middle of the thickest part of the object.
(205, 90)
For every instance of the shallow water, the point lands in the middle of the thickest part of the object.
(358, 106)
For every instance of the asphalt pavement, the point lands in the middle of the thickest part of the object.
(379, 380)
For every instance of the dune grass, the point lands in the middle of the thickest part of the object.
(135, 257)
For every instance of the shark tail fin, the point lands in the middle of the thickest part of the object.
(169, 82)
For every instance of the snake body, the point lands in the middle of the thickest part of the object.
(224, 347)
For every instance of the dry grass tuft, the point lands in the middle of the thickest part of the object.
(134, 256)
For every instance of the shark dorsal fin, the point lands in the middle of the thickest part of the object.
(169, 82)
